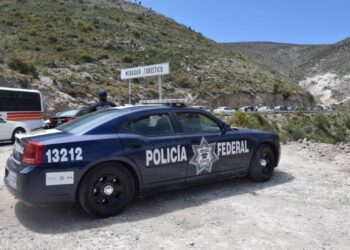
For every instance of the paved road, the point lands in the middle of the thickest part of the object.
(304, 206)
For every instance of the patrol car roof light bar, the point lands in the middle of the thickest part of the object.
(168, 102)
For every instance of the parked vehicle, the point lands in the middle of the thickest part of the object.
(201, 107)
(264, 109)
(9, 129)
(246, 109)
(105, 159)
(280, 108)
(318, 108)
(328, 108)
(66, 116)
(22, 105)
(225, 110)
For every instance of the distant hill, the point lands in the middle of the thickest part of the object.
(322, 69)
(71, 49)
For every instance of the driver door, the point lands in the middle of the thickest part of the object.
(203, 136)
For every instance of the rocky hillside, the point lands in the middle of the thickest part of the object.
(71, 49)
(324, 70)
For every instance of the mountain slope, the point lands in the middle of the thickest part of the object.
(324, 70)
(78, 47)
(327, 73)
(277, 57)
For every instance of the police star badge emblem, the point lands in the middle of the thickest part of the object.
(204, 156)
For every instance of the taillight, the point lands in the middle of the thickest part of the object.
(33, 153)
(67, 119)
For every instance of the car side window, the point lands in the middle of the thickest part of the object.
(194, 123)
(152, 125)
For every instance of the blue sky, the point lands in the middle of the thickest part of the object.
(291, 21)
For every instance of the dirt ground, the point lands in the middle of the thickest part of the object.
(306, 205)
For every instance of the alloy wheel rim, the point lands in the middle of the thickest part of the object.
(108, 190)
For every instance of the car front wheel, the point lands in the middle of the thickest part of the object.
(106, 190)
(262, 164)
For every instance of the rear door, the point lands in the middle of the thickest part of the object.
(151, 143)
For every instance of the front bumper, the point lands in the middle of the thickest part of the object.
(28, 184)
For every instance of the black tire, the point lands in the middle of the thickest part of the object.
(17, 131)
(93, 193)
(258, 170)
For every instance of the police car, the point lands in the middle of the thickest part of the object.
(104, 159)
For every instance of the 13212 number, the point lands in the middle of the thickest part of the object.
(64, 155)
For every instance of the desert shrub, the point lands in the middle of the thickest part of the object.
(85, 27)
(137, 34)
(340, 134)
(33, 32)
(127, 59)
(140, 18)
(53, 37)
(109, 46)
(23, 66)
(103, 57)
(60, 48)
(87, 58)
(295, 131)
(276, 88)
(184, 82)
(321, 121)
(310, 97)
(287, 92)
(347, 121)
(260, 119)
(240, 119)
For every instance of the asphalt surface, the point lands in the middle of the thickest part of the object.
(306, 205)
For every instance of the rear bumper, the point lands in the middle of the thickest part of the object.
(28, 184)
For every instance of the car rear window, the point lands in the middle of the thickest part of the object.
(90, 121)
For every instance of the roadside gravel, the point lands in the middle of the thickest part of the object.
(305, 205)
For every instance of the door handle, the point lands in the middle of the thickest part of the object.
(134, 145)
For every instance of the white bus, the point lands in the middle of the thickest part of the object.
(22, 106)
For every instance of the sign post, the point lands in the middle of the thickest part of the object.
(129, 91)
(160, 88)
(146, 71)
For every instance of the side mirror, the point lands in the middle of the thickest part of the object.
(226, 127)
(2, 120)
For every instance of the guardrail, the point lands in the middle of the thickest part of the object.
(290, 111)
(226, 118)
(284, 112)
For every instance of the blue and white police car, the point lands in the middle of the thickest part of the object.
(104, 159)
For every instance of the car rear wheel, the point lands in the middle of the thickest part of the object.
(263, 163)
(16, 132)
(106, 190)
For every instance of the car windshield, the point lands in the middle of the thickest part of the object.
(89, 121)
(69, 113)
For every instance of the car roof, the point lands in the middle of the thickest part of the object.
(123, 114)
(136, 108)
